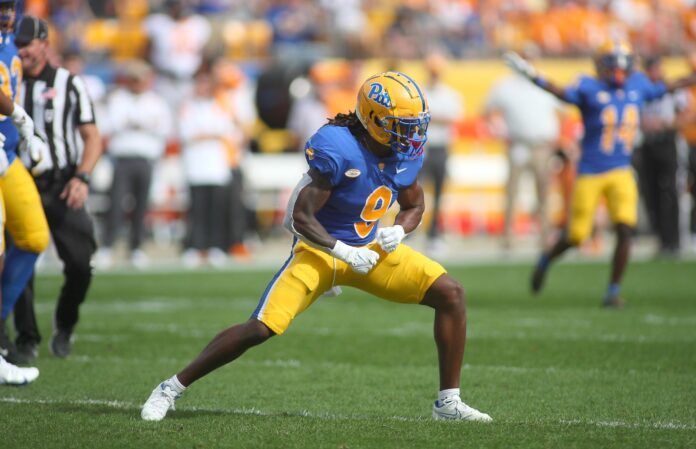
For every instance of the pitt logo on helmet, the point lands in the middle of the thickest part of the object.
(379, 95)
(395, 113)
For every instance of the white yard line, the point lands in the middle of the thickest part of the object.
(297, 364)
(121, 405)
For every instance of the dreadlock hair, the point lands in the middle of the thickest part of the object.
(349, 120)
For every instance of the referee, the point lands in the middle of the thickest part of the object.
(64, 117)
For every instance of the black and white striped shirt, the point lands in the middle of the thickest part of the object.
(59, 103)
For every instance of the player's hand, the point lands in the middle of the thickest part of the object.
(24, 123)
(520, 65)
(361, 260)
(33, 147)
(4, 163)
(389, 238)
(75, 193)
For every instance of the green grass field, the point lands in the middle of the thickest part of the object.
(555, 371)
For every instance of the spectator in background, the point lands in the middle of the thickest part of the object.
(531, 128)
(206, 131)
(236, 97)
(71, 17)
(657, 161)
(295, 24)
(308, 111)
(140, 123)
(689, 131)
(75, 64)
(176, 43)
(445, 110)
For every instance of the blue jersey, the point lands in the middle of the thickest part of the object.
(10, 80)
(364, 185)
(611, 117)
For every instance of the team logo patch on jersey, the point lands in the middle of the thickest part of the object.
(49, 93)
(310, 153)
(380, 166)
(352, 173)
(603, 97)
(379, 95)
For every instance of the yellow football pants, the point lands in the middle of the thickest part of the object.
(25, 220)
(619, 189)
(403, 275)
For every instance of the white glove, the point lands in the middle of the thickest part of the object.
(361, 259)
(25, 126)
(520, 65)
(4, 163)
(24, 123)
(389, 238)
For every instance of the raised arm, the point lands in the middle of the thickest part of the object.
(681, 83)
(524, 68)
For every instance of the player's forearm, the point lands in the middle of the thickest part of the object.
(410, 219)
(681, 83)
(310, 230)
(550, 87)
(524, 68)
(6, 104)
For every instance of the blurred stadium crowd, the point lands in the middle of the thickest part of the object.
(381, 28)
(261, 76)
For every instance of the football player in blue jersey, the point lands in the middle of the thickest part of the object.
(10, 374)
(359, 164)
(25, 219)
(610, 104)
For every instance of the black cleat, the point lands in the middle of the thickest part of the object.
(538, 277)
(8, 350)
(61, 343)
(28, 351)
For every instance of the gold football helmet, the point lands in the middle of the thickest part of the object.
(614, 61)
(394, 111)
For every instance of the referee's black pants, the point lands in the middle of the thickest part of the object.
(73, 236)
(657, 176)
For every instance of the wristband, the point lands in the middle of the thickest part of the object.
(18, 113)
(341, 250)
(84, 177)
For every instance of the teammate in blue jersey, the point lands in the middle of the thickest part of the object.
(10, 374)
(610, 105)
(25, 219)
(359, 164)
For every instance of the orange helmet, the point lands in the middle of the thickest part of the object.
(394, 111)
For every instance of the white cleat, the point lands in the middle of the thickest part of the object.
(14, 375)
(453, 408)
(160, 401)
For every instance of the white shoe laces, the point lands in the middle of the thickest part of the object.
(166, 398)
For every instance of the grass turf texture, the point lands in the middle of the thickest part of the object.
(356, 372)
